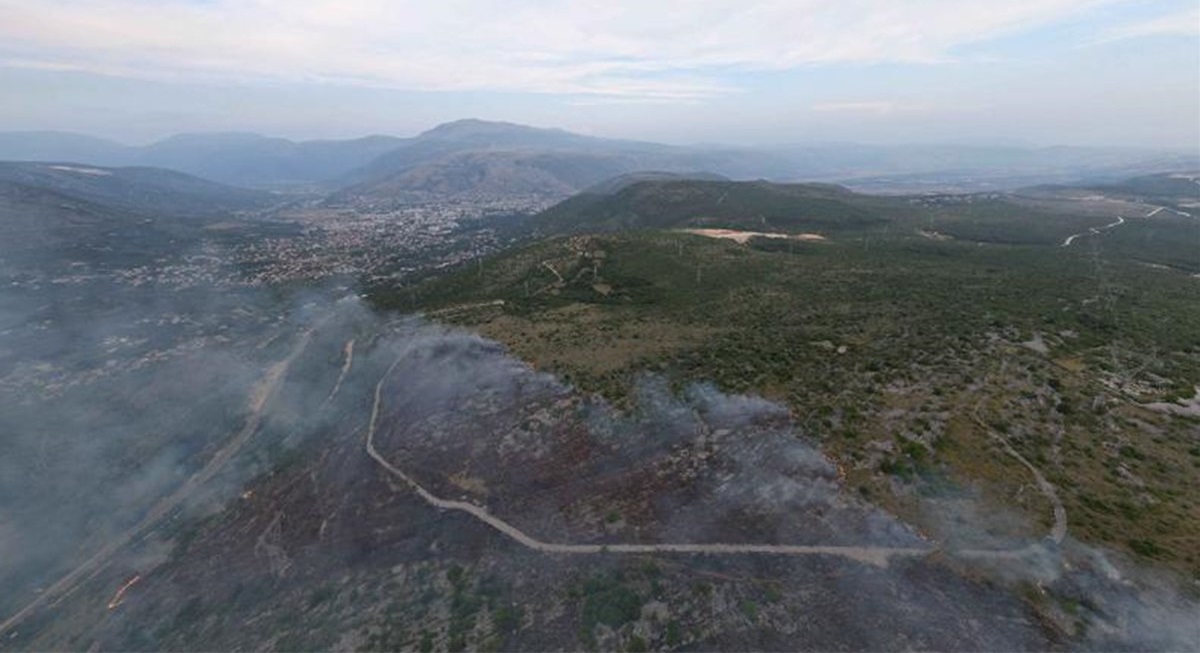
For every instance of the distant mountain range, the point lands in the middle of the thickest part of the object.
(146, 191)
(240, 159)
(475, 158)
(54, 214)
(487, 175)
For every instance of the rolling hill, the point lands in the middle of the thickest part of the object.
(673, 203)
(255, 160)
(495, 160)
(53, 214)
(487, 175)
(621, 182)
(39, 227)
(487, 136)
(1176, 189)
(1039, 216)
(141, 190)
(64, 146)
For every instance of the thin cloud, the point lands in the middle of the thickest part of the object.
(1182, 23)
(674, 50)
(879, 106)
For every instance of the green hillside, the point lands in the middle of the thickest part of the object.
(907, 356)
(151, 191)
(736, 205)
(835, 211)
(1166, 188)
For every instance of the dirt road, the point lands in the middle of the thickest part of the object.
(879, 556)
(1058, 532)
(1093, 231)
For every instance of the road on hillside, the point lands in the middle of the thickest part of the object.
(879, 556)
(1093, 231)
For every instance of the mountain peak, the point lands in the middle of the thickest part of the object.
(475, 128)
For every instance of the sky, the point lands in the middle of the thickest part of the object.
(1036, 72)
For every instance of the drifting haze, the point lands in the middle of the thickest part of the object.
(1050, 71)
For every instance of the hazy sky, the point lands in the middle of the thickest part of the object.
(1123, 72)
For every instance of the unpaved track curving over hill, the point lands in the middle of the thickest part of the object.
(1058, 532)
(260, 398)
(879, 556)
(1094, 231)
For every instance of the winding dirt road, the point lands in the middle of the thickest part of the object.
(1058, 532)
(879, 556)
(1160, 209)
(1093, 231)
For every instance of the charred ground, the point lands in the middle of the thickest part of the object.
(899, 385)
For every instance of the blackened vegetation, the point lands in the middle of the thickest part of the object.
(896, 364)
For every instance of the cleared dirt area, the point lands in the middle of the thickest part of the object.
(743, 237)
(83, 171)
